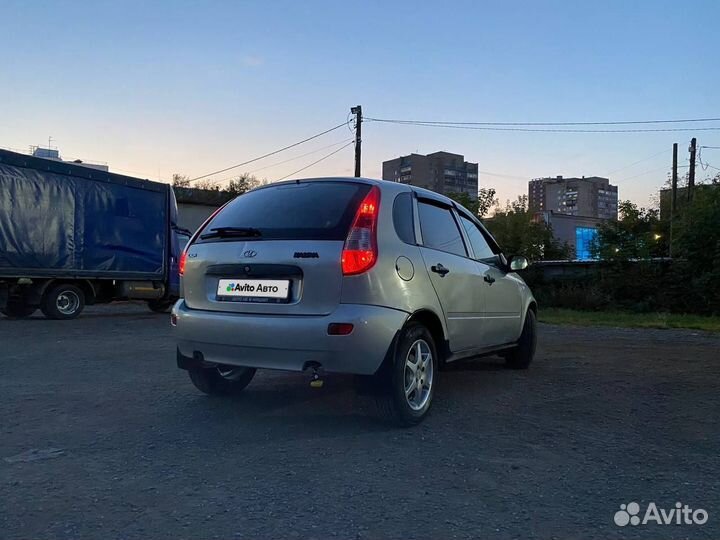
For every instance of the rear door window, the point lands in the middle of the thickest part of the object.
(439, 229)
(297, 211)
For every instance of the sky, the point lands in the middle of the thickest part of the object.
(157, 88)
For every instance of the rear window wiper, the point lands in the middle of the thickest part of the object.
(232, 232)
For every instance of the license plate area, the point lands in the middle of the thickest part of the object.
(253, 290)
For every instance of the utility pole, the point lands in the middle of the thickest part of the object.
(674, 180)
(673, 200)
(691, 172)
(357, 111)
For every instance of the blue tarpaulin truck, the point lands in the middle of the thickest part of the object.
(72, 235)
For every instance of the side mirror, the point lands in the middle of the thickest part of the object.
(518, 262)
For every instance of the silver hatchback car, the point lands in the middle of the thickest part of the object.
(348, 275)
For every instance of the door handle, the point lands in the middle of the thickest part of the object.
(489, 279)
(439, 269)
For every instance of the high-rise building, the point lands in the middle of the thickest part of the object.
(589, 196)
(441, 172)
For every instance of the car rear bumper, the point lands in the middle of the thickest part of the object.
(287, 342)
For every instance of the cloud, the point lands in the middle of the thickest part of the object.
(252, 60)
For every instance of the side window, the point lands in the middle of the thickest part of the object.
(477, 240)
(439, 230)
(403, 218)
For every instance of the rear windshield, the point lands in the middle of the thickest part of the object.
(300, 211)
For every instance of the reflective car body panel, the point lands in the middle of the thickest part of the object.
(298, 237)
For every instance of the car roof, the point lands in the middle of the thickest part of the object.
(382, 184)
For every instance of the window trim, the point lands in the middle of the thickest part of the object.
(416, 221)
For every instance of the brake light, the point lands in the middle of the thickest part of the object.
(360, 251)
(182, 262)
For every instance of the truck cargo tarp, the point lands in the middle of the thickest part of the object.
(67, 224)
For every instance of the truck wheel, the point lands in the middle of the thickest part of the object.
(408, 391)
(221, 380)
(64, 301)
(16, 308)
(160, 306)
(520, 356)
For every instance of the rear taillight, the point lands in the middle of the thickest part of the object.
(360, 251)
(182, 262)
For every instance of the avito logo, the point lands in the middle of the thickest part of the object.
(249, 287)
(629, 514)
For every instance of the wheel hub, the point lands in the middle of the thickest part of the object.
(418, 374)
(67, 302)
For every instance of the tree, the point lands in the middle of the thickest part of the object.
(637, 234)
(519, 234)
(479, 206)
(236, 186)
(207, 184)
(696, 247)
(243, 183)
(180, 181)
(183, 181)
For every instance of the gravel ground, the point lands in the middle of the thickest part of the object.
(102, 437)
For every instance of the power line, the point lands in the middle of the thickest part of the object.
(290, 159)
(652, 171)
(705, 165)
(316, 162)
(615, 123)
(269, 153)
(635, 163)
(500, 175)
(537, 130)
(303, 155)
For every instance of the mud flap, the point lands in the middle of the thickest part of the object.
(375, 384)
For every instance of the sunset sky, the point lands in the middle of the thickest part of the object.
(157, 88)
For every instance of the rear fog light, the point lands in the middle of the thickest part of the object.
(339, 329)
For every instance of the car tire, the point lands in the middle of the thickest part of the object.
(160, 306)
(221, 380)
(63, 302)
(16, 308)
(522, 355)
(408, 385)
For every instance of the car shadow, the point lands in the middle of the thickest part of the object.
(281, 407)
(106, 314)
